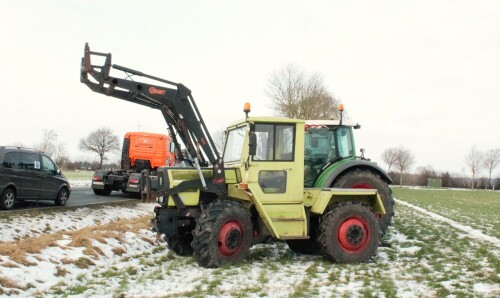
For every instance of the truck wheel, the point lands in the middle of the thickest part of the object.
(7, 200)
(103, 192)
(62, 197)
(369, 180)
(223, 234)
(348, 233)
(180, 244)
(99, 192)
(107, 190)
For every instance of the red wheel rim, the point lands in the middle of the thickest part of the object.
(230, 238)
(353, 234)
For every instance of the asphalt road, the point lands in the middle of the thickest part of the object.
(80, 196)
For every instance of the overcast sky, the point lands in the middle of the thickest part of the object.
(422, 74)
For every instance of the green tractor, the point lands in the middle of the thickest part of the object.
(276, 179)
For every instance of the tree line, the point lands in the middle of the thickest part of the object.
(402, 159)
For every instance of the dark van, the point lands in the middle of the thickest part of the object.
(28, 174)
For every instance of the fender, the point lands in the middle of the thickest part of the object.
(9, 185)
(331, 172)
(102, 173)
(67, 186)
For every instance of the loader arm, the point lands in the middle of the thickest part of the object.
(175, 102)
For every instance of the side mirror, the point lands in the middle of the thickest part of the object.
(58, 171)
(252, 145)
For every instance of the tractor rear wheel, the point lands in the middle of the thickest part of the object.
(223, 234)
(348, 233)
(369, 180)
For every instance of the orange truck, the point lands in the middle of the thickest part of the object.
(140, 151)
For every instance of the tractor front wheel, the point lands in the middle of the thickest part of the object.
(349, 233)
(223, 234)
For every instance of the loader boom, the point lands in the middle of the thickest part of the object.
(175, 102)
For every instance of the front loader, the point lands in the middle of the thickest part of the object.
(219, 206)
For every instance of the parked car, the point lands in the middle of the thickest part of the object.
(28, 174)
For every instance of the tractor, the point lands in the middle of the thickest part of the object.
(277, 178)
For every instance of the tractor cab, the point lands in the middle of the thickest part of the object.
(326, 142)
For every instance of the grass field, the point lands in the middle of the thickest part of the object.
(479, 209)
(78, 175)
(421, 257)
(438, 251)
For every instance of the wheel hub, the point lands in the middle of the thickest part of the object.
(230, 238)
(9, 201)
(353, 234)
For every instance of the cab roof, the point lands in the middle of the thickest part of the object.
(290, 120)
(268, 119)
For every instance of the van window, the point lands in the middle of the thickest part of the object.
(29, 161)
(48, 165)
(11, 160)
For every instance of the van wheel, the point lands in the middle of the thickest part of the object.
(62, 197)
(7, 200)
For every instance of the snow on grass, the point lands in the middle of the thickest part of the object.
(422, 256)
(80, 182)
(27, 225)
(470, 232)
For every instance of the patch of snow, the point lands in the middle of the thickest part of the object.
(28, 226)
(410, 250)
(483, 288)
(80, 183)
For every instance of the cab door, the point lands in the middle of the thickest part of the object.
(277, 169)
(275, 166)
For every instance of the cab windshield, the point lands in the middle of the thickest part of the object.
(234, 144)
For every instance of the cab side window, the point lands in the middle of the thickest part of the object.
(275, 142)
(29, 161)
(345, 143)
(47, 165)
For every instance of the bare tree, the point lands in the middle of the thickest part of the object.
(48, 143)
(473, 160)
(61, 154)
(389, 156)
(100, 141)
(404, 162)
(296, 95)
(491, 160)
(219, 138)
